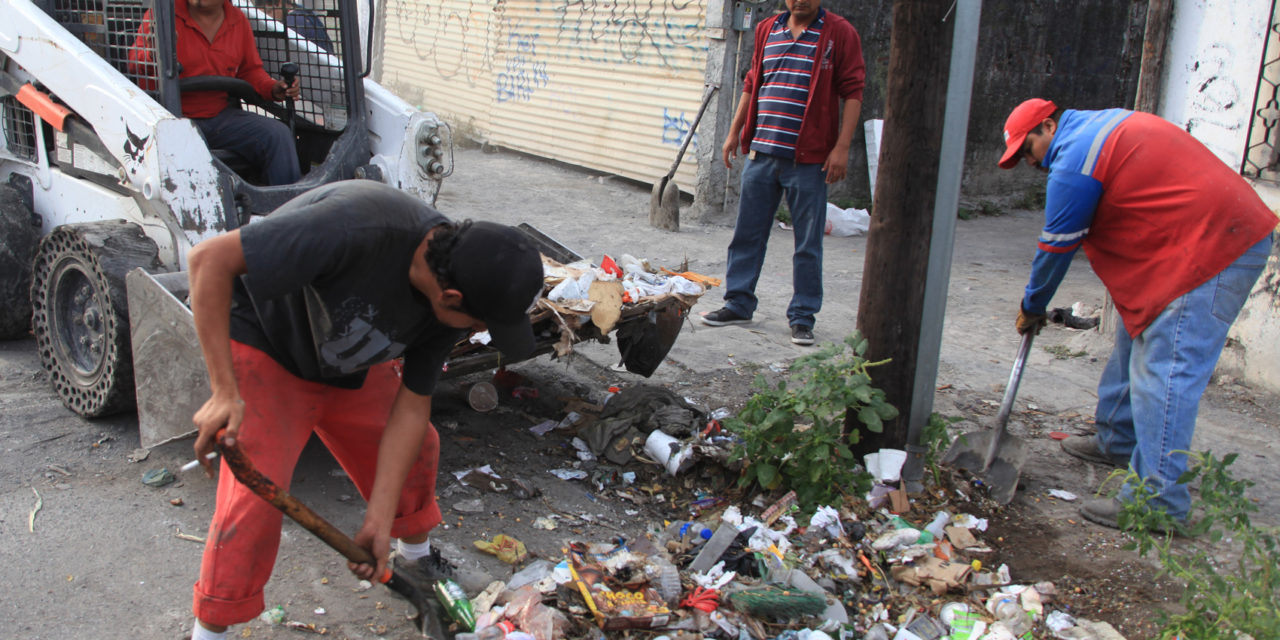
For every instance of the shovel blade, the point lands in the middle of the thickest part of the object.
(969, 451)
(655, 200)
(664, 205)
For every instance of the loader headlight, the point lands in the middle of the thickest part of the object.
(429, 149)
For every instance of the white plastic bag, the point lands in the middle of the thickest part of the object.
(847, 222)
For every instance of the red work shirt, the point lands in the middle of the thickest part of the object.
(233, 53)
(1164, 227)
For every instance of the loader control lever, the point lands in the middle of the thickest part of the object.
(289, 71)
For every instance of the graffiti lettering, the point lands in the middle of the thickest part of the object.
(1215, 96)
(675, 127)
(524, 72)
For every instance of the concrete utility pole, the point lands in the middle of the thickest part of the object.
(892, 302)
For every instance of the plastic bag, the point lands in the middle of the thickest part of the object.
(847, 222)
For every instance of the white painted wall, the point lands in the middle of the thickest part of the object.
(1211, 71)
(1210, 86)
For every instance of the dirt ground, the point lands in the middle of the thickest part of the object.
(112, 558)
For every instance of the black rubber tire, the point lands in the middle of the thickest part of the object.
(80, 312)
(19, 237)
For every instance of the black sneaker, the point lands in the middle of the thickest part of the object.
(425, 570)
(722, 317)
(801, 335)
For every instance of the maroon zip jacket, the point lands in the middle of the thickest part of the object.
(838, 74)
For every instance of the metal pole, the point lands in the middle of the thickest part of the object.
(964, 48)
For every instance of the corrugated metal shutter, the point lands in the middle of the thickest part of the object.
(612, 86)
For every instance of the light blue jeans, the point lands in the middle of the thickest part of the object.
(1150, 390)
(765, 179)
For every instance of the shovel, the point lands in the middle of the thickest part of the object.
(995, 456)
(420, 596)
(664, 201)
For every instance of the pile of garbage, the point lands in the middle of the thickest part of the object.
(885, 566)
(839, 575)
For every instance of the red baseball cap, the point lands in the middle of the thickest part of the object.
(1022, 120)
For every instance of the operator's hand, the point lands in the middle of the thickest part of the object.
(837, 165)
(220, 410)
(1030, 322)
(376, 537)
(281, 90)
(729, 150)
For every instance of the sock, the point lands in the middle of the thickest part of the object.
(411, 552)
(201, 633)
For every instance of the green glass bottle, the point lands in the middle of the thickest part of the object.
(455, 602)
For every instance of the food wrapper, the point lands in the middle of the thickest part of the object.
(614, 606)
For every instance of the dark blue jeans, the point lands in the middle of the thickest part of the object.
(263, 141)
(765, 179)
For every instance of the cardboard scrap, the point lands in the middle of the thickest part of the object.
(961, 538)
(607, 297)
(898, 501)
(939, 575)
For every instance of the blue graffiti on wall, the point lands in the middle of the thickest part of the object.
(675, 126)
(524, 73)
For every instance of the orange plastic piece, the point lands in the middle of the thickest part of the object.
(42, 105)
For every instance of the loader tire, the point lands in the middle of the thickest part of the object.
(80, 312)
(19, 237)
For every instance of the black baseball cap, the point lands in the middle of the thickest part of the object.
(498, 270)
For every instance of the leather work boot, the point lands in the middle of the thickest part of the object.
(1086, 448)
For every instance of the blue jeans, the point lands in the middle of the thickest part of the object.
(1150, 390)
(765, 179)
(263, 141)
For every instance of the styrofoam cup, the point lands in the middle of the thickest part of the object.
(891, 461)
(872, 462)
(675, 458)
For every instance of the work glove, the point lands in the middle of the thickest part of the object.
(1030, 322)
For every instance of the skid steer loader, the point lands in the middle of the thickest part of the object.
(100, 174)
(105, 187)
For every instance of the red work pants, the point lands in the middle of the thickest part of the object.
(281, 412)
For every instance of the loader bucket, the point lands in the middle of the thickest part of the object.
(168, 366)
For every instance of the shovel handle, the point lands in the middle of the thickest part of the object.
(248, 475)
(1006, 406)
(707, 92)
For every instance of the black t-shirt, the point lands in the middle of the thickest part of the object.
(327, 292)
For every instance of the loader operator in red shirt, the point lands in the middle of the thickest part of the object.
(214, 38)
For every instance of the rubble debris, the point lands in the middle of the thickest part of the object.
(158, 477)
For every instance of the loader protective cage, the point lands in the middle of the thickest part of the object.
(309, 34)
(19, 128)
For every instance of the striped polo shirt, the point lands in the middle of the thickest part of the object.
(784, 88)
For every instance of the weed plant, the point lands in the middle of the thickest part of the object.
(1221, 600)
(793, 433)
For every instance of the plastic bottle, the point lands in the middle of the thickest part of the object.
(455, 602)
(1005, 607)
(491, 632)
(694, 533)
(665, 578)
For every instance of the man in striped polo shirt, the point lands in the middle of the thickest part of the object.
(799, 109)
(1178, 238)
